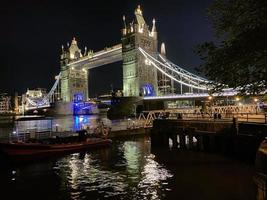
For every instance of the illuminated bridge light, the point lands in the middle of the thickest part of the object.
(185, 96)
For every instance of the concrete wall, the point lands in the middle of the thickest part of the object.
(124, 107)
(63, 108)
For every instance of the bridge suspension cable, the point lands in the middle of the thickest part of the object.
(183, 71)
(46, 100)
(176, 73)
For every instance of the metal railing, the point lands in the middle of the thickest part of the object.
(246, 117)
(146, 118)
(27, 136)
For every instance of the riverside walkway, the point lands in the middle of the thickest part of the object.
(146, 118)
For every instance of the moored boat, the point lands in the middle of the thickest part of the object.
(44, 142)
(28, 149)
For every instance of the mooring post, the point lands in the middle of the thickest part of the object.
(182, 141)
(191, 145)
(174, 140)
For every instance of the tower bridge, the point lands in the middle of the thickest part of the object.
(146, 71)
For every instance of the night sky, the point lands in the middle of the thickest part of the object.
(32, 33)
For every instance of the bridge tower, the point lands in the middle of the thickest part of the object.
(139, 77)
(74, 79)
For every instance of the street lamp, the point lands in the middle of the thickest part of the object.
(210, 98)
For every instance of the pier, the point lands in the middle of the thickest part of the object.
(240, 140)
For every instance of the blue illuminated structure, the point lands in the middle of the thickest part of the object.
(78, 97)
(77, 103)
(148, 90)
(80, 121)
(81, 107)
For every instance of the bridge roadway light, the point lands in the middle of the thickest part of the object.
(237, 98)
(256, 100)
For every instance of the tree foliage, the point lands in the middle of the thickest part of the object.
(239, 59)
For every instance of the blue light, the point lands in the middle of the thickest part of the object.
(83, 108)
(80, 122)
(76, 125)
(78, 97)
(148, 90)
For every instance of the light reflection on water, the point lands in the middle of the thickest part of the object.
(154, 177)
(127, 170)
(133, 174)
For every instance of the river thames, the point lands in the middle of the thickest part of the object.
(129, 169)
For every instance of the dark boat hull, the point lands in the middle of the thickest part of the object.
(33, 150)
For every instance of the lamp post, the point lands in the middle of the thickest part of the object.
(256, 100)
(210, 100)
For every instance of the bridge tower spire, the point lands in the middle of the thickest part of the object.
(154, 29)
(166, 85)
(139, 77)
(163, 49)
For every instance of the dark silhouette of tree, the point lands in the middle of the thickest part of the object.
(239, 59)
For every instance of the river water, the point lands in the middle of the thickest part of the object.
(129, 169)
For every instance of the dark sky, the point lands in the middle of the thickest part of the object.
(32, 33)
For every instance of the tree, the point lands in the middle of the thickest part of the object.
(239, 58)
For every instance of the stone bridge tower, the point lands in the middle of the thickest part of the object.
(139, 76)
(74, 79)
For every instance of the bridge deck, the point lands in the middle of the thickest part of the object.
(100, 58)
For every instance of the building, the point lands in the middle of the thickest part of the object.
(31, 99)
(36, 93)
(74, 81)
(5, 103)
(139, 76)
(17, 103)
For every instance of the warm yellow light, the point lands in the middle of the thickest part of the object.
(256, 99)
(138, 10)
(72, 56)
(210, 97)
(237, 98)
(147, 62)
